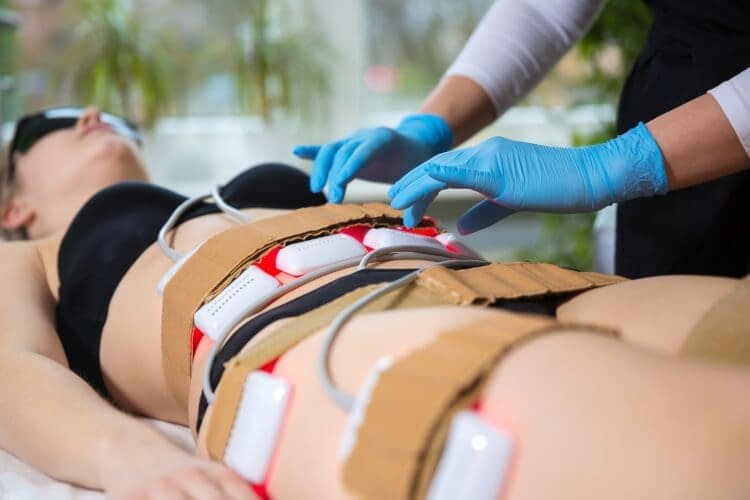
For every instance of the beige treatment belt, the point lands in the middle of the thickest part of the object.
(436, 286)
(408, 415)
(723, 333)
(224, 256)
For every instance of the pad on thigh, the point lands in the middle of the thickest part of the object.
(723, 333)
(412, 432)
(657, 313)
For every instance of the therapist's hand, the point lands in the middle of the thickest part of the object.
(517, 176)
(379, 154)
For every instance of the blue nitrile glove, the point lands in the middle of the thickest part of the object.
(521, 176)
(379, 154)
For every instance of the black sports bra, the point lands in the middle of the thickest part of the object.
(117, 225)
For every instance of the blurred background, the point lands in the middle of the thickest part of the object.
(220, 85)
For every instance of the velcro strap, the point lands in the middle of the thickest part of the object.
(530, 280)
(487, 284)
(436, 286)
(224, 256)
(407, 418)
(229, 391)
(723, 333)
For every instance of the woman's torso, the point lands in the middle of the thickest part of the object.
(145, 389)
(117, 314)
(370, 336)
(107, 241)
(130, 335)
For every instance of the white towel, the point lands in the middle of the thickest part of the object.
(19, 481)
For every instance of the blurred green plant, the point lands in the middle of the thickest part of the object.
(8, 19)
(565, 240)
(120, 55)
(618, 33)
(6, 41)
(119, 59)
(419, 38)
(278, 60)
(609, 50)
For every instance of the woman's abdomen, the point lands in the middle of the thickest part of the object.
(131, 355)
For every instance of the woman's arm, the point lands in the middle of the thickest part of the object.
(511, 50)
(52, 419)
(708, 137)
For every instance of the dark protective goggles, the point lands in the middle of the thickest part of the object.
(31, 128)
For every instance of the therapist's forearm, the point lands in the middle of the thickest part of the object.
(698, 143)
(463, 104)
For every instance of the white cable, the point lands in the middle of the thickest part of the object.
(339, 396)
(288, 287)
(178, 212)
(228, 209)
(419, 251)
(410, 252)
(169, 224)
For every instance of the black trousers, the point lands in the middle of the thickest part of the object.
(703, 229)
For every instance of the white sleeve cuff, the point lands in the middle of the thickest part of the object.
(518, 42)
(734, 98)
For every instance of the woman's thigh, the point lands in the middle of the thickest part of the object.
(597, 418)
(587, 411)
(657, 313)
(311, 438)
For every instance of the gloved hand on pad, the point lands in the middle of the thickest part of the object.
(516, 176)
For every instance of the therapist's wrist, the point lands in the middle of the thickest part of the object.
(431, 130)
(463, 103)
(637, 165)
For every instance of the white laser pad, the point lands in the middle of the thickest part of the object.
(173, 270)
(385, 237)
(475, 461)
(249, 290)
(451, 243)
(301, 258)
(257, 425)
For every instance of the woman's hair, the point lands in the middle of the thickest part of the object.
(6, 189)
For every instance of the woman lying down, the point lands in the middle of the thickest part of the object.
(324, 351)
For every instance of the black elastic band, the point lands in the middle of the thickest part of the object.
(544, 305)
(296, 307)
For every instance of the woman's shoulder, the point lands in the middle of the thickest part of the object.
(30, 260)
(18, 250)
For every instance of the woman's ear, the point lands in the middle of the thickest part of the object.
(16, 213)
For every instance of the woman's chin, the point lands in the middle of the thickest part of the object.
(113, 162)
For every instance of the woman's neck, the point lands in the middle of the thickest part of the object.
(48, 248)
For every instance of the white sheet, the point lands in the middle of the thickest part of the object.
(19, 481)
